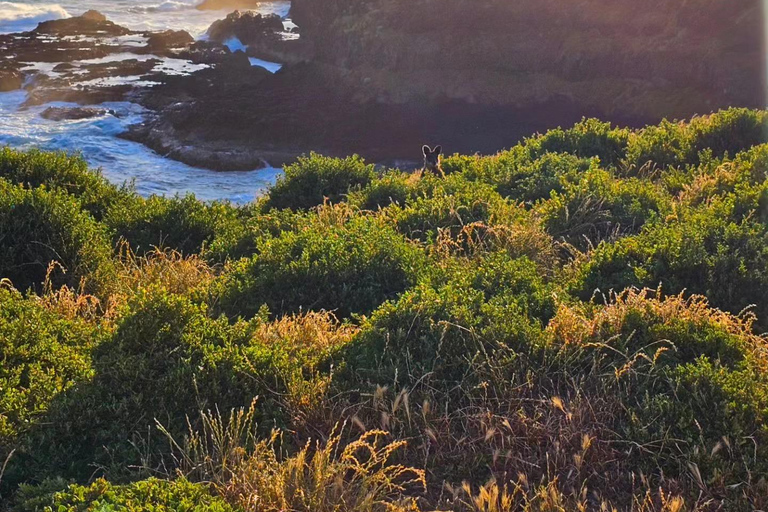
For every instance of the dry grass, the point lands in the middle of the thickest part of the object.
(313, 334)
(325, 476)
(166, 267)
(576, 324)
(521, 239)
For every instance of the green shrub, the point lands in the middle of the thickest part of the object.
(394, 187)
(166, 362)
(61, 171)
(587, 139)
(181, 223)
(38, 227)
(676, 144)
(491, 311)
(529, 180)
(347, 268)
(702, 252)
(448, 204)
(313, 178)
(689, 377)
(43, 354)
(152, 495)
(242, 237)
(599, 206)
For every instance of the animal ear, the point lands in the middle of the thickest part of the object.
(438, 150)
(425, 149)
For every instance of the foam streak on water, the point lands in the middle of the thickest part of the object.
(123, 161)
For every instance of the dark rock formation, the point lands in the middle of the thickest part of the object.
(11, 77)
(72, 113)
(664, 59)
(249, 27)
(33, 47)
(161, 42)
(92, 23)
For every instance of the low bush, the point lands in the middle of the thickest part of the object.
(315, 178)
(587, 139)
(690, 378)
(40, 227)
(449, 205)
(349, 266)
(167, 361)
(490, 310)
(677, 144)
(519, 177)
(598, 207)
(61, 171)
(183, 224)
(152, 495)
(701, 252)
(242, 237)
(43, 354)
(393, 187)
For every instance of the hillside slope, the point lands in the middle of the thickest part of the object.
(571, 324)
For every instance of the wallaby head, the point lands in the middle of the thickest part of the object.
(432, 159)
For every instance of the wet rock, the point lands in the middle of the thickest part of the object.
(11, 77)
(249, 27)
(92, 23)
(205, 52)
(32, 47)
(81, 96)
(93, 15)
(160, 42)
(73, 113)
(64, 66)
(117, 68)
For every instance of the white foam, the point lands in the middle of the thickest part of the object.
(168, 6)
(171, 66)
(18, 17)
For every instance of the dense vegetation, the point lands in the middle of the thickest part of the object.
(570, 324)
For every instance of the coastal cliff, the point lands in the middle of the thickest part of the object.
(673, 59)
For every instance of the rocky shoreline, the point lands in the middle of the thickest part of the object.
(369, 77)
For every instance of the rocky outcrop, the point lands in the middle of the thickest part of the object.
(161, 42)
(663, 58)
(72, 113)
(91, 23)
(67, 62)
(247, 26)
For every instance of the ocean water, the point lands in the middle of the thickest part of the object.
(120, 160)
(96, 139)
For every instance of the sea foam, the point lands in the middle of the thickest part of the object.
(168, 6)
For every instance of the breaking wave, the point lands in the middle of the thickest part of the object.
(17, 17)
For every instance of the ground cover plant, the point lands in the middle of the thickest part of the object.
(575, 323)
